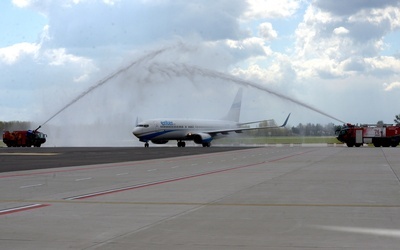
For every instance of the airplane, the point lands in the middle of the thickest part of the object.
(160, 131)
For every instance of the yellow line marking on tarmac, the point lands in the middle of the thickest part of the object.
(202, 203)
(31, 154)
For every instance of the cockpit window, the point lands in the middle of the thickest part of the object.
(143, 125)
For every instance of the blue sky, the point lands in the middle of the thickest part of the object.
(342, 57)
(19, 24)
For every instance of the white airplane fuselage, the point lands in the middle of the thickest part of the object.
(160, 131)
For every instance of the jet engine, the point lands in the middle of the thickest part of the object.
(159, 141)
(202, 138)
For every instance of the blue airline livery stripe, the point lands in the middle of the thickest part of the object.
(150, 136)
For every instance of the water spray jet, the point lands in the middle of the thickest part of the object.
(143, 59)
(185, 70)
(189, 71)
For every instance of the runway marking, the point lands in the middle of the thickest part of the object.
(361, 230)
(81, 201)
(151, 170)
(33, 185)
(175, 167)
(84, 179)
(30, 154)
(121, 174)
(22, 208)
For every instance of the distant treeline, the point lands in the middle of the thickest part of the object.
(14, 125)
(308, 129)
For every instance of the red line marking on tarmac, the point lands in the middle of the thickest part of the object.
(22, 208)
(85, 196)
(106, 192)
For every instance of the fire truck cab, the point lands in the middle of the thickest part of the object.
(385, 135)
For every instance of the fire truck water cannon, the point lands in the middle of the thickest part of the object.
(24, 138)
(382, 135)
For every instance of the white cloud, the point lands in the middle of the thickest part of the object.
(267, 32)
(332, 44)
(280, 72)
(111, 2)
(22, 3)
(387, 18)
(340, 31)
(251, 42)
(13, 53)
(347, 8)
(391, 86)
(323, 68)
(263, 9)
(383, 65)
(60, 57)
(138, 23)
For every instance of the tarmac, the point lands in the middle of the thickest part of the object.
(286, 197)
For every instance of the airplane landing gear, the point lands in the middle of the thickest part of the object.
(206, 144)
(181, 144)
(146, 145)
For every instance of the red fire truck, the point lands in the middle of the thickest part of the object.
(24, 138)
(385, 135)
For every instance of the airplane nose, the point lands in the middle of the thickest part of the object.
(135, 131)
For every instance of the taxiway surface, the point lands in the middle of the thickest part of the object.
(254, 198)
(17, 159)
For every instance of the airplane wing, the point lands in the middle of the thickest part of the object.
(246, 123)
(240, 130)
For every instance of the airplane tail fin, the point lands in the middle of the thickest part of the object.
(234, 112)
(138, 120)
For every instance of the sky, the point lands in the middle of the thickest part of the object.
(174, 58)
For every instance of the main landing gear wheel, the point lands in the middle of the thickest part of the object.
(146, 145)
(206, 144)
(181, 144)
